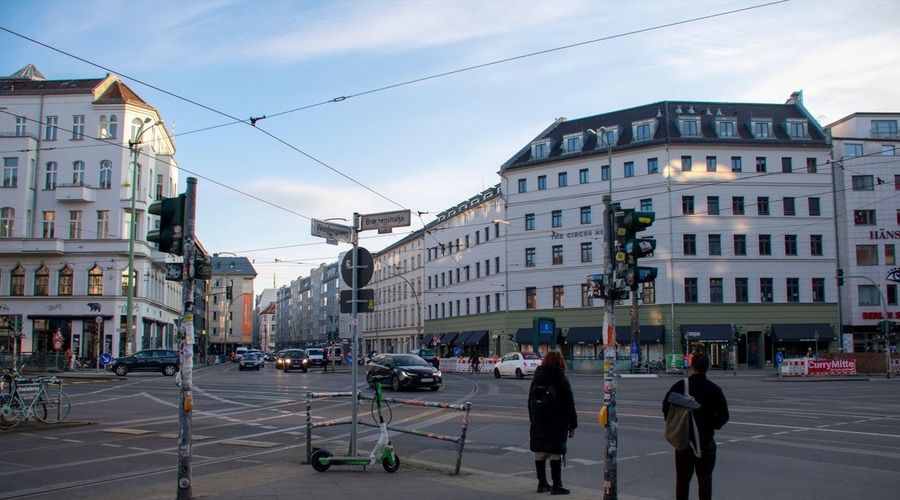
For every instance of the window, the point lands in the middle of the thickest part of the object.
(811, 167)
(864, 217)
(786, 166)
(102, 224)
(712, 205)
(487, 267)
(556, 218)
(789, 207)
(818, 289)
(653, 166)
(766, 290)
(563, 179)
(869, 296)
(66, 276)
(75, 224)
(736, 164)
(585, 215)
(762, 205)
(889, 256)
(477, 271)
(790, 244)
(125, 284)
(558, 296)
(690, 291)
(557, 254)
(539, 150)
(77, 127)
(740, 244)
(816, 247)
(583, 176)
(866, 255)
(531, 298)
(50, 176)
(49, 226)
(760, 163)
(647, 205)
(20, 126)
(78, 173)
(604, 173)
(726, 129)
(797, 130)
(573, 144)
(50, 128)
(815, 209)
(741, 290)
(643, 132)
(648, 292)
(792, 288)
(542, 182)
(689, 244)
(710, 163)
(106, 174)
(629, 169)
(10, 172)
(523, 185)
(715, 244)
(7, 222)
(95, 281)
(863, 183)
(477, 238)
(737, 205)
(42, 281)
(892, 297)
(587, 252)
(853, 150)
(477, 305)
(888, 150)
(884, 129)
(716, 292)
(765, 244)
(17, 281)
(687, 205)
(530, 256)
(686, 164)
(529, 226)
(690, 128)
(762, 130)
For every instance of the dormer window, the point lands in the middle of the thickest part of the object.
(643, 130)
(796, 128)
(725, 128)
(608, 138)
(573, 143)
(762, 128)
(540, 150)
(689, 126)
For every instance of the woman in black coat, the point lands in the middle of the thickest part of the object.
(551, 428)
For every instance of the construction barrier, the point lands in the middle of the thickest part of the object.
(464, 365)
(810, 366)
(460, 440)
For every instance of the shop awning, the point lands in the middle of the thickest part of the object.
(461, 338)
(585, 335)
(803, 332)
(447, 338)
(708, 333)
(477, 338)
(647, 334)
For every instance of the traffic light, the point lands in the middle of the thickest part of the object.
(170, 234)
(228, 292)
(629, 222)
(596, 286)
(840, 277)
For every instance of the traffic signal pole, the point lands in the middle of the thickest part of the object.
(354, 367)
(186, 346)
(610, 467)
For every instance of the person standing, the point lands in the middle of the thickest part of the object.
(551, 427)
(711, 416)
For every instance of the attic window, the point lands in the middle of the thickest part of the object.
(540, 150)
(643, 130)
(796, 128)
(572, 143)
(726, 128)
(761, 128)
(689, 126)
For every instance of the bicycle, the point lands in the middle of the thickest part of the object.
(47, 405)
(475, 368)
(81, 365)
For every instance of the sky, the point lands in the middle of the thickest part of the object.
(383, 105)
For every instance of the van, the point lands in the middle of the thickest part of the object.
(239, 353)
(316, 356)
(335, 353)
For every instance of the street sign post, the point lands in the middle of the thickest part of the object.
(331, 231)
(385, 220)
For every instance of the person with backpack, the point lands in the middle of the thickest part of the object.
(551, 413)
(709, 417)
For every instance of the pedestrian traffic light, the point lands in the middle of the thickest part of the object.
(629, 222)
(170, 234)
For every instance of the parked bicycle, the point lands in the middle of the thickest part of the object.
(22, 398)
(82, 364)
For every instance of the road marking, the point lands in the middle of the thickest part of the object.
(111, 445)
(584, 461)
(133, 432)
(518, 449)
(135, 448)
(252, 444)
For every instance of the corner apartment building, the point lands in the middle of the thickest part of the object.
(66, 211)
(231, 304)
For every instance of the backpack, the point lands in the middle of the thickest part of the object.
(542, 402)
(680, 421)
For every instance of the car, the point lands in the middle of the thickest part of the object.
(295, 359)
(262, 357)
(403, 371)
(517, 364)
(429, 355)
(316, 356)
(338, 354)
(279, 359)
(165, 361)
(269, 356)
(250, 361)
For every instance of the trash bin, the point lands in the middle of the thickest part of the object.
(221, 359)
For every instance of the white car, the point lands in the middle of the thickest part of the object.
(518, 364)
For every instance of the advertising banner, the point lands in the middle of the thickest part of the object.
(832, 366)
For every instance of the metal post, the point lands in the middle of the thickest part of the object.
(186, 345)
(355, 327)
(610, 469)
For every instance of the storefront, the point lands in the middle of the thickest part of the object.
(715, 340)
(802, 340)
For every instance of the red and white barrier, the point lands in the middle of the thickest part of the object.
(807, 366)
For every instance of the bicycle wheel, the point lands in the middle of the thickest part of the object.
(11, 411)
(55, 404)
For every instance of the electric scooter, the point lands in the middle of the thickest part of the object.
(321, 459)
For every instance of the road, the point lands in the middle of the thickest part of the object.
(837, 439)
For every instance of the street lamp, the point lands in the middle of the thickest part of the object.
(134, 146)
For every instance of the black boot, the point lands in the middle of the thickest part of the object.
(556, 475)
(541, 467)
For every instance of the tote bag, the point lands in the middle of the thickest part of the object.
(680, 420)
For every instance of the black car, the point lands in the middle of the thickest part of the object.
(165, 361)
(402, 371)
(251, 361)
(295, 359)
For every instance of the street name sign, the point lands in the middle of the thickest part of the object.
(331, 231)
(385, 220)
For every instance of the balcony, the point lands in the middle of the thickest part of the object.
(75, 193)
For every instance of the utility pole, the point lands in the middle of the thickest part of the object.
(610, 468)
(186, 346)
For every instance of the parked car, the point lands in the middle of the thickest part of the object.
(165, 361)
(429, 355)
(250, 361)
(279, 359)
(402, 371)
(316, 356)
(295, 359)
(518, 364)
